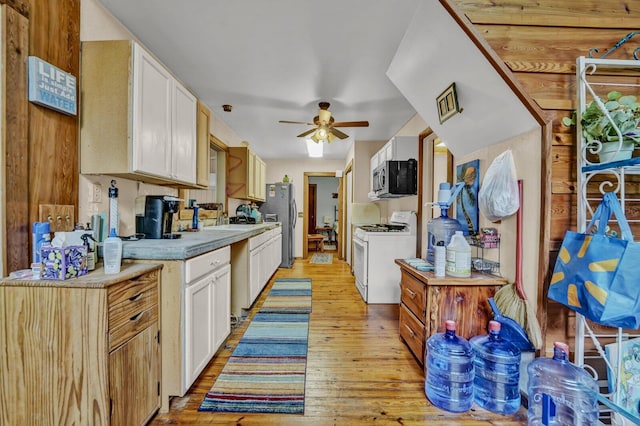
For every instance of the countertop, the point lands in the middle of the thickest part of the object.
(192, 243)
(430, 278)
(94, 279)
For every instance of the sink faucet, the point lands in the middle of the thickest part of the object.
(220, 216)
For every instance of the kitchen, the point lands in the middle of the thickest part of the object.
(50, 181)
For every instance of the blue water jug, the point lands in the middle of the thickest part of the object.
(561, 393)
(450, 372)
(440, 229)
(497, 372)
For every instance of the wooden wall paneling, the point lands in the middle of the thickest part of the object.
(15, 177)
(553, 13)
(21, 6)
(563, 172)
(48, 161)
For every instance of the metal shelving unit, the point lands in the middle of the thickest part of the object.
(595, 178)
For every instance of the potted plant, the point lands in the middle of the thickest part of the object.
(602, 131)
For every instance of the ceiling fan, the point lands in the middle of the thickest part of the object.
(326, 125)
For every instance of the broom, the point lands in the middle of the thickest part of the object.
(511, 298)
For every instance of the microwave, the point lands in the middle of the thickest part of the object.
(396, 178)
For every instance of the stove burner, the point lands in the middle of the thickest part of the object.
(384, 227)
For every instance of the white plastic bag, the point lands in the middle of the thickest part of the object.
(498, 196)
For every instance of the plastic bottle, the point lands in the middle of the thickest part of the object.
(112, 253)
(450, 371)
(441, 228)
(497, 372)
(440, 260)
(560, 393)
(459, 256)
(41, 236)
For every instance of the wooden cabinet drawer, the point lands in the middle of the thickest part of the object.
(412, 332)
(133, 305)
(414, 295)
(205, 263)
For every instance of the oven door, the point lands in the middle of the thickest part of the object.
(360, 265)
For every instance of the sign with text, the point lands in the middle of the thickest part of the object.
(51, 87)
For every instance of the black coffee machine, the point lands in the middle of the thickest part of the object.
(158, 216)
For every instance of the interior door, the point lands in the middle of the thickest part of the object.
(312, 208)
(347, 228)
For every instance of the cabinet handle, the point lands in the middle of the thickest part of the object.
(136, 297)
(411, 293)
(410, 330)
(136, 317)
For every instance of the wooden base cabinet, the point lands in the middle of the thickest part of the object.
(426, 302)
(83, 351)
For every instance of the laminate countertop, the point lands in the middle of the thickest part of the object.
(192, 244)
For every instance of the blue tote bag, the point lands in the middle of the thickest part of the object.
(599, 276)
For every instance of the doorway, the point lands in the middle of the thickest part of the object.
(323, 203)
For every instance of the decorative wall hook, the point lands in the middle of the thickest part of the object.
(617, 45)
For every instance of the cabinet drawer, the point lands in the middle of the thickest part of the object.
(127, 303)
(132, 326)
(412, 332)
(206, 263)
(414, 295)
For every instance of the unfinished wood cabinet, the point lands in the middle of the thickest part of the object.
(247, 174)
(203, 146)
(426, 302)
(82, 351)
(137, 120)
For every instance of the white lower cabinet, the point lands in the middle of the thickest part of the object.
(253, 263)
(207, 321)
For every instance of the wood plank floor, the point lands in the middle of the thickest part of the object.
(359, 372)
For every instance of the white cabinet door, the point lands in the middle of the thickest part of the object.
(254, 275)
(222, 306)
(199, 333)
(152, 86)
(183, 148)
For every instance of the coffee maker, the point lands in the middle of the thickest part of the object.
(158, 216)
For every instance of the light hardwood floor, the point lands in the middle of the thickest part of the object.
(358, 370)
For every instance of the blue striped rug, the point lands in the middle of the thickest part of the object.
(266, 372)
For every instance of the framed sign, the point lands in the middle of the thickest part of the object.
(51, 87)
(447, 103)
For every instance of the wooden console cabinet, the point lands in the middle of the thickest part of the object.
(426, 302)
(84, 351)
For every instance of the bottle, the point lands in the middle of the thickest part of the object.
(441, 228)
(450, 370)
(194, 222)
(112, 253)
(440, 260)
(459, 256)
(497, 372)
(561, 393)
(41, 236)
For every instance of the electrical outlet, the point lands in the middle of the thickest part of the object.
(96, 193)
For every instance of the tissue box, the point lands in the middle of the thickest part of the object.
(61, 263)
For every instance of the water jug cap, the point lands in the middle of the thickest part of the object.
(112, 232)
(450, 325)
(562, 346)
(494, 326)
(445, 185)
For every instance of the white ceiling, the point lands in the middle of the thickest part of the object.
(276, 59)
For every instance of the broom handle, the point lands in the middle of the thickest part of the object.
(519, 288)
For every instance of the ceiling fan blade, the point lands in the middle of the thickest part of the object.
(308, 132)
(338, 133)
(351, 124)
(295, 122)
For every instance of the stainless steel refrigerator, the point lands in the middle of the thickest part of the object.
(280, 200)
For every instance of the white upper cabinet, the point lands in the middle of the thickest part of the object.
(137, 121)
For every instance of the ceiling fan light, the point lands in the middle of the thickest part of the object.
(324, 116)
(314, 148)
(322, 132)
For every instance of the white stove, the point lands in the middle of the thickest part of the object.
(375, 247)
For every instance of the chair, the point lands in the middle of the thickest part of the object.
(318, 239)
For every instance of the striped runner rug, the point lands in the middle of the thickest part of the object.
(289, 295)
(266, 372)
